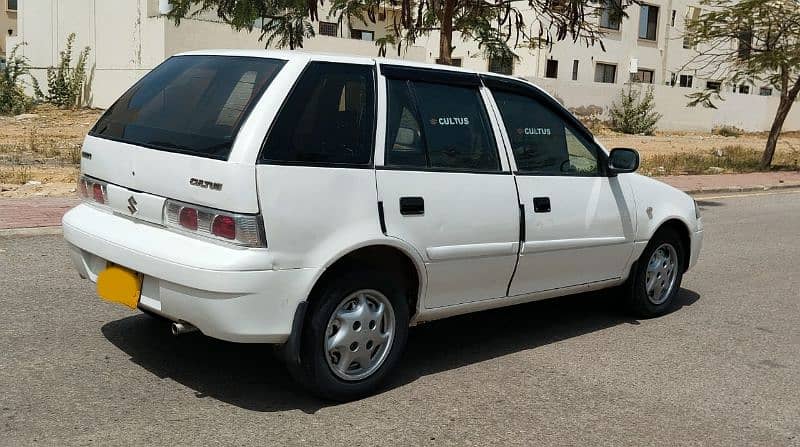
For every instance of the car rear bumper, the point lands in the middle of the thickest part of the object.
(228, 293)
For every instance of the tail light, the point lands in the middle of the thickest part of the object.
(92, 190)
(246, 230)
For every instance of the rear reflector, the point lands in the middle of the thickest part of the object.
(224, 226)
(188, 218)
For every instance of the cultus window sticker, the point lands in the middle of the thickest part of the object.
(450, 121)
(534, 131)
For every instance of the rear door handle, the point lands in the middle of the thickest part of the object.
(412, 206)
(541, 204)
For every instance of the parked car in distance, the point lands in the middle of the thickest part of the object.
(326, 203)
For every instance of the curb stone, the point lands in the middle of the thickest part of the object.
(733, 189)
(35, 231)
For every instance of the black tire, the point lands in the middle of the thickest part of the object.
(314, 373)
(638, 301)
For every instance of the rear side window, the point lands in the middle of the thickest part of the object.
(189, 104)
(542, 142)
(328, 118)
(436, 126)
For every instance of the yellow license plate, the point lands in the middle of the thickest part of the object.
(120, 285)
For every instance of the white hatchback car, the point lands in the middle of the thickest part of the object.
(326, 203)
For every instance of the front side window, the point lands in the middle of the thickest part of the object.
(436, 126)
(328, 118)
(648, 22)
(542, 142)
(189, 104)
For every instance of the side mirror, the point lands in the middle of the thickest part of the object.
(623, 160)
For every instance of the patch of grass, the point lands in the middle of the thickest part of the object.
(727, 131)
(17, 175)
(731, 159)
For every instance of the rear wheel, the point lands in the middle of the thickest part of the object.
(656, 277)
(357, 329)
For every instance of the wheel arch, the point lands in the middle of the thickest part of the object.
(682, 230)
(394, 257)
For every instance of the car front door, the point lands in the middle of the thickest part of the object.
(444, 186)
(578, 220)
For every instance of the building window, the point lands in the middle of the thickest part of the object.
(745, 44)
(713, 85)
(606, 73)
(454, 62)
(328, 29)
(610, 14)
(685, 81)
(11, 5)
(744, 89)
(359, 34)
(672, 21)
(575, 70)
(551, 69)
(648, 22)
(501, 65)
(643, 76)
(765, 91)
(692, 13)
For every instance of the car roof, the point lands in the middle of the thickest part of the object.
(303, 55)
(307, 55)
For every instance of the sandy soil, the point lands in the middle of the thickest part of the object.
(39, 153)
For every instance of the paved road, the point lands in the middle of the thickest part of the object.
(723, 369)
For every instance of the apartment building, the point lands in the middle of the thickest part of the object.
(8, 24)
(130, 37)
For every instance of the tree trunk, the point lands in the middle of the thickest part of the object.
(446, 33)
(785, 105)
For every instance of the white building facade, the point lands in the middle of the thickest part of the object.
(130, 37)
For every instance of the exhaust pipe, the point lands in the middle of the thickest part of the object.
(182, 328)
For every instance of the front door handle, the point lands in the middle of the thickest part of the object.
(412, 206)
(541, 204)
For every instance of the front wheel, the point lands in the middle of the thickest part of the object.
(656, 277)
(356, 332)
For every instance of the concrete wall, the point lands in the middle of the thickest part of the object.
(8, 22)
(125, 43)
(748, 112)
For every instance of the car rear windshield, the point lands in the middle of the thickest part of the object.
(189, 104)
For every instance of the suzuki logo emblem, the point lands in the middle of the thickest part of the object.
(132, 205)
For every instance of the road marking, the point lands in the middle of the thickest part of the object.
(773, 193)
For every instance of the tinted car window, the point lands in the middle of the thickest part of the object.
(541, 141)
(328, 118)
(438, 126)
(189, 104)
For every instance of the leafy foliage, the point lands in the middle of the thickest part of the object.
(498, 26)
(634, 113)
(66, 84)
(749, 40)
(13, 100)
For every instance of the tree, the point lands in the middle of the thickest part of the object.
(634, 113)
(749, 40)
(498, 26)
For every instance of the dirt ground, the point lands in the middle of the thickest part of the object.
(40, 152)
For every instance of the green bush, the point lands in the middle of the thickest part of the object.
(634, 113)
(13, 100)
(65, 84)
(727, 131)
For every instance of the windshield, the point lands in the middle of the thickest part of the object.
(189, 104)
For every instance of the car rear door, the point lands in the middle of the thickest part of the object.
(578, 225)
(443, 185)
